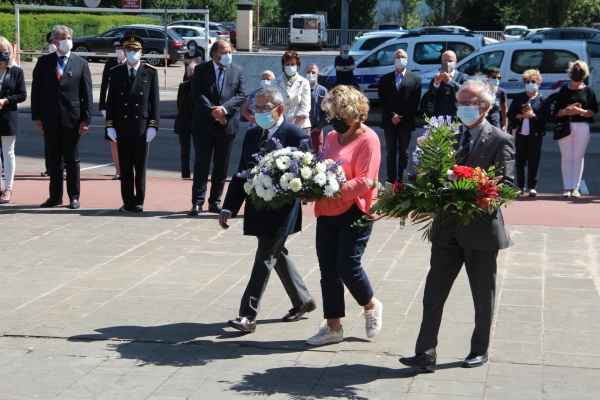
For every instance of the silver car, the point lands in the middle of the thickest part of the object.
(216, 30)
(368, 42)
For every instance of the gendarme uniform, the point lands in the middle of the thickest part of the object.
(133, 106)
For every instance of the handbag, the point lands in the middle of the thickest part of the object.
(562, 130)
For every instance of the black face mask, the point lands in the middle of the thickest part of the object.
(577, 75)
(4, 56)
(339, 125)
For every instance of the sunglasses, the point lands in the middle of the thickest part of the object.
(495, 77)
(530, 81)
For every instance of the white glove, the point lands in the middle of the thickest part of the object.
(150, 133)
(112, 134)
(103, 113)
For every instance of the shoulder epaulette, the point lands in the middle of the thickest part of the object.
(150, 66)
(116, 66)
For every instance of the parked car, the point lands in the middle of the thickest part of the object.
(232, 29)
(550, 57)
(513, 32)
(595, 25)
(366, 43)
(527, 35)
(307, 30)
(216, 30)
(571, 34)
(193, 35)
(424, 50)
(386, 26)
(154, 42)
(456, 29)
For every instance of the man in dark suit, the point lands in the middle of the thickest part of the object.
(477, 244)
(271, 227)
(61, 106)
(399, 95)
(132, 114)
(218, 89)
(440, 99)
(113, 62)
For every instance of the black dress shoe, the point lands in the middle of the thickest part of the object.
(74, 204)
(421, 361)
(214, 208)
(51, 203)
(474, 360)
(137, 209)
(124, 209)
(294, 314)
(242, 324)
(195, 210)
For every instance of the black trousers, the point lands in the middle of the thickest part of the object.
(396, 142)
(185, 143)
(221, 144)
(63, 145)
(446, 262)
(271, 253)
(133, 156)
(528, 154)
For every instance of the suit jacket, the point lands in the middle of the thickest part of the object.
(286, 220)
(296, 99)
(537, 125)
(113, 62)
(442, 100)
(403, 102)
(492, 147)
(132, 108)
(13, 89)
(205, 93)
(185, 107)
(65, 103)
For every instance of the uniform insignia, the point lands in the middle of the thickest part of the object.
(70, 73)
(116, 66)
(151, 66)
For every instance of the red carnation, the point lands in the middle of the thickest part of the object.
(488, 192)
(464, 172)
(399, 186)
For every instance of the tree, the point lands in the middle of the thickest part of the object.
(409, 14)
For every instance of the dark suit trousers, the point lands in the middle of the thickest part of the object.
(271, 253)
(63, 144)
(219, 142)
(528, 154)
(133, 155)
(185, 142)
(446, 262)
(396, 142)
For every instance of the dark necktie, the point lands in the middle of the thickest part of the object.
(263, 139)
(219, 83)
(464, 148)
(131, 75)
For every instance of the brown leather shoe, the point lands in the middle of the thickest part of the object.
(242, 324)
(294, 315)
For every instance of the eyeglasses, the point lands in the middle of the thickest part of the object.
(346, 51)
(470, 103)
(495, 77)
(530, 81)
(263, 109)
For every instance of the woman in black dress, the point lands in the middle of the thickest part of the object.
(576, 105)
(195, 55)
(528, 126)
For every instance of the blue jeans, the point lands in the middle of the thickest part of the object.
(339, 250)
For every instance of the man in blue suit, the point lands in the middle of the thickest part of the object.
(271, 227)
(441, 96)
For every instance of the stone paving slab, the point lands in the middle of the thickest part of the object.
(99, 305)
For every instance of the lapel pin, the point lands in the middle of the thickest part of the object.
(70, 73)
(144, 81)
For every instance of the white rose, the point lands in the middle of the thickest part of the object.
(320, 167)
(307, 158)
(306, 172)
(248, 187)
(295, 184)
(283, 162)
(285, 180)
(297, 155)
(255, 170)
(320, 179)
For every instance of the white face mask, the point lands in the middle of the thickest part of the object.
(65, 45)
(311, 77)
(120, 54)
(52, 48)
(451, 66)
(265, 83)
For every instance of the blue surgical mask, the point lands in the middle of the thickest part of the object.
(265, 83)
(133, 56)
(401, 63)
(311, 78)
(264, 120)
(291, 70)
(344, 56)
(4, 56)
(468, 114)
(531, 87)
(192, 48)
(494, 82)
(226, 59)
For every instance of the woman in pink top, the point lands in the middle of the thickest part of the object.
(340, 246)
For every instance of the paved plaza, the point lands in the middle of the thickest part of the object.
(100, 305)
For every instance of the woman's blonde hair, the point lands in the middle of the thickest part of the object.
(582, 65)
(532, 74)
(268, 72)
(4, 41)
(346, 102)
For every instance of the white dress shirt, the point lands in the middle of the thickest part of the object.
(220, 82)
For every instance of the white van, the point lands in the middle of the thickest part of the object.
(307, 30)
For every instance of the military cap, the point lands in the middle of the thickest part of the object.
(133, 41)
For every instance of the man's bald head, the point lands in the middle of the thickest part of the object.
(449, 56)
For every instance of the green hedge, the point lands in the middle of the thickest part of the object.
(34, 27)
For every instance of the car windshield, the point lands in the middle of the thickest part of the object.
(514, 31)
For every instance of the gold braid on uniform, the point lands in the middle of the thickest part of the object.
(151, 66)
(108, 123)
(153, 124)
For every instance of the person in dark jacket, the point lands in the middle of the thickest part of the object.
(271, 227)
(399, 95)
(12, 92)
(440, 98)
(184, 119)
(527, 114)
(318, 118)
(113, 62)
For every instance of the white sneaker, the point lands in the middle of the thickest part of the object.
(374, 320)
(326, 336)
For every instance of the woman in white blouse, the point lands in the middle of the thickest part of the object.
(295, 91)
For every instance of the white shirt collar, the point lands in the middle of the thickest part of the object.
(400, 73)
(274, 128)
(217, 67)
(452, 73)
(135, 67)
(68, 54)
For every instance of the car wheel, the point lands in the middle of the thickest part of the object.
(82, 48)
(154, 61)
